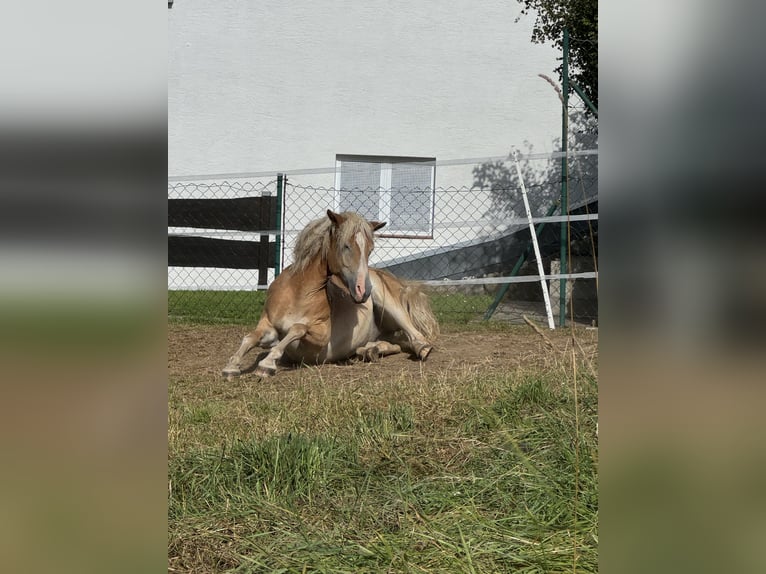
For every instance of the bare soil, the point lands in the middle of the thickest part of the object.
(203, 350)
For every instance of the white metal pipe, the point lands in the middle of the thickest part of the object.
(535, 246)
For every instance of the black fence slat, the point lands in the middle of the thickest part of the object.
(185, 251)
(241, 213)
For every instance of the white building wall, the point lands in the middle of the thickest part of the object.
(274, 85)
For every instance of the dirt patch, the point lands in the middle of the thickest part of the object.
(203, 350)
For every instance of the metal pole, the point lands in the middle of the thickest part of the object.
(278, 240)
(535, 246)
(516, 268)
(585, 98)
(564, 202)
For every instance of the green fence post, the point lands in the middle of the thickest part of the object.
(584, 98)
(564, 202)
(278, 241)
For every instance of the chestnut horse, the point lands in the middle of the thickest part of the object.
(329, 305)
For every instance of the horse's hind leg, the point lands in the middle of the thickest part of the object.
(393, 311)
(417, 341)
(412, 340)
(387, 294)
(373, 351)
(264, 335)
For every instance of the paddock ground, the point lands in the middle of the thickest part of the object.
(202, 351)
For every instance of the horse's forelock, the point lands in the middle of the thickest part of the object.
(353, 224)
(314, 241)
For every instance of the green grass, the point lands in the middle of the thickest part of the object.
(216, 307)
(458, 308)
(244, 307)
(455, 471)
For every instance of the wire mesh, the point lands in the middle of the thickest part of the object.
(476, 233)
(222, 239)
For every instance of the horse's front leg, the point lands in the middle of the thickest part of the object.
(268, 366)
(263, 336)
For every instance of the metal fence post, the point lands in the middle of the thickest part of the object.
(564, 177)
(278, 238)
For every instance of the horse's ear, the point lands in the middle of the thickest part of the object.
(336, 218)
(377, 225)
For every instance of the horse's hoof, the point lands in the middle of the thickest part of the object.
(372, 355)
(265, 371)
(230, 373)
(424, 351)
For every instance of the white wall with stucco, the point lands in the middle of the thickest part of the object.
(274, 85)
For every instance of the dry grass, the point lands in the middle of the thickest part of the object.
(479, 460)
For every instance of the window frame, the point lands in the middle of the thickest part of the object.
(384, 204)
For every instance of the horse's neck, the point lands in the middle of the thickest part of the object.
(315, 275)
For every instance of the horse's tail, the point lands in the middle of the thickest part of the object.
(418, 306)
(414, 300)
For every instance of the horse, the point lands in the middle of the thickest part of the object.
(329, 306)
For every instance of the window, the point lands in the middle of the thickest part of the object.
(397, 190)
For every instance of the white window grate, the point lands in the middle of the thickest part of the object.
(397, 190)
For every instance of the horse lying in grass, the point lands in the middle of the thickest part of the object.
(330, 306)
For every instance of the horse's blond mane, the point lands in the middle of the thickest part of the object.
(315, 239)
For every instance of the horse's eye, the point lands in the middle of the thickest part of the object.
(347, 247)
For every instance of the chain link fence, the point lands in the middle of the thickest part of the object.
(223, 239)
(470, 243)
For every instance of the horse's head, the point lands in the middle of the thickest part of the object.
(349, 252)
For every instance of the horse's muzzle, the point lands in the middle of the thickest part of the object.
(360, 292)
